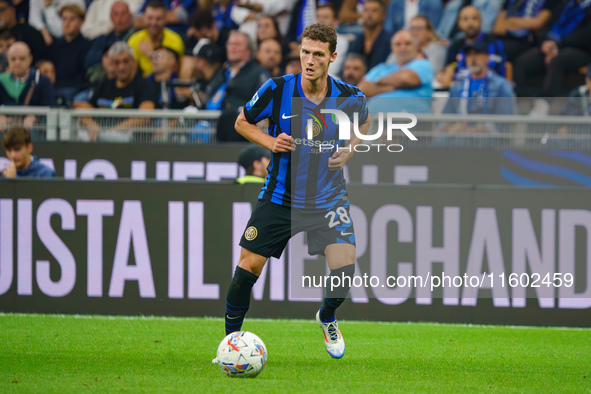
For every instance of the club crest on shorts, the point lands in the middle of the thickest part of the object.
(250, 233)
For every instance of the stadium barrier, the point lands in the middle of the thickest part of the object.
(168, 248)
(199, 127)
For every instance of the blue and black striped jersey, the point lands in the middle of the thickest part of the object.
(301, 178)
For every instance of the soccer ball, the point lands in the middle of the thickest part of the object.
(242, 355)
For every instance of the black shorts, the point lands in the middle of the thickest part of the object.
(272, 225)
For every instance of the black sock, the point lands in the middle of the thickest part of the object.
(335, 296)
(238, 298)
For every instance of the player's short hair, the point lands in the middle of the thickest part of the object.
(322, 33)
(155, 5)
(15, 137)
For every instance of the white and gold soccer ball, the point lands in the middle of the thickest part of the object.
(242, 354)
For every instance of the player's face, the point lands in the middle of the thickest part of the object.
(315, 58)
(20, 155)
(469, 21)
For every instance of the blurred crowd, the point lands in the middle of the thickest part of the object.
(214, 54)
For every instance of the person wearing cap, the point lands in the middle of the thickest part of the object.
(254, 160)
(155, 35)
(482, 91)
(208, 62)
(22, 31)
(470, 23)
(68, 53)
(44, 16)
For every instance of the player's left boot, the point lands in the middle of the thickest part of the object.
(333, 340)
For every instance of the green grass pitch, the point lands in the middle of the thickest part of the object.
(47, 353)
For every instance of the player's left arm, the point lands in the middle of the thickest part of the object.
(342, 155)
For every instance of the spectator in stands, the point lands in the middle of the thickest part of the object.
(326, 14)
(293, 64)
(354, 69)
(22, 32)
(208, 63)
(483, 91)
(374, 43)
(267, 28)
(154, 35)
(245, 14)
(176, 14)
(401, 12)
(119, 29)
(448, 27)
(402, 85)
(579, 99)
(470, 24)
(349, 14)
(303, 13)
(19, 150)
(6, 40)
(165, 66)
(255, 160)
(430, 45)
(24, 85)
(519, 23)
(127, 90)
(203, 31)
(44, 16)
(565, 49)
(68, 53)
(46, 68)
(237, 82)
(269, 56)
(105, 17)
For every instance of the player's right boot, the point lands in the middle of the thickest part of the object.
(333, 340)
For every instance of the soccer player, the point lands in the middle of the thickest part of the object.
(305, 189)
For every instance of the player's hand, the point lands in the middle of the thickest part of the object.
(338, 160)
(10, 170)
(283, 143)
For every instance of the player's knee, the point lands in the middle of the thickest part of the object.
(251, 262)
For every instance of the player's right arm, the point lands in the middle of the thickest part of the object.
(257, 109)
(281, 143)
